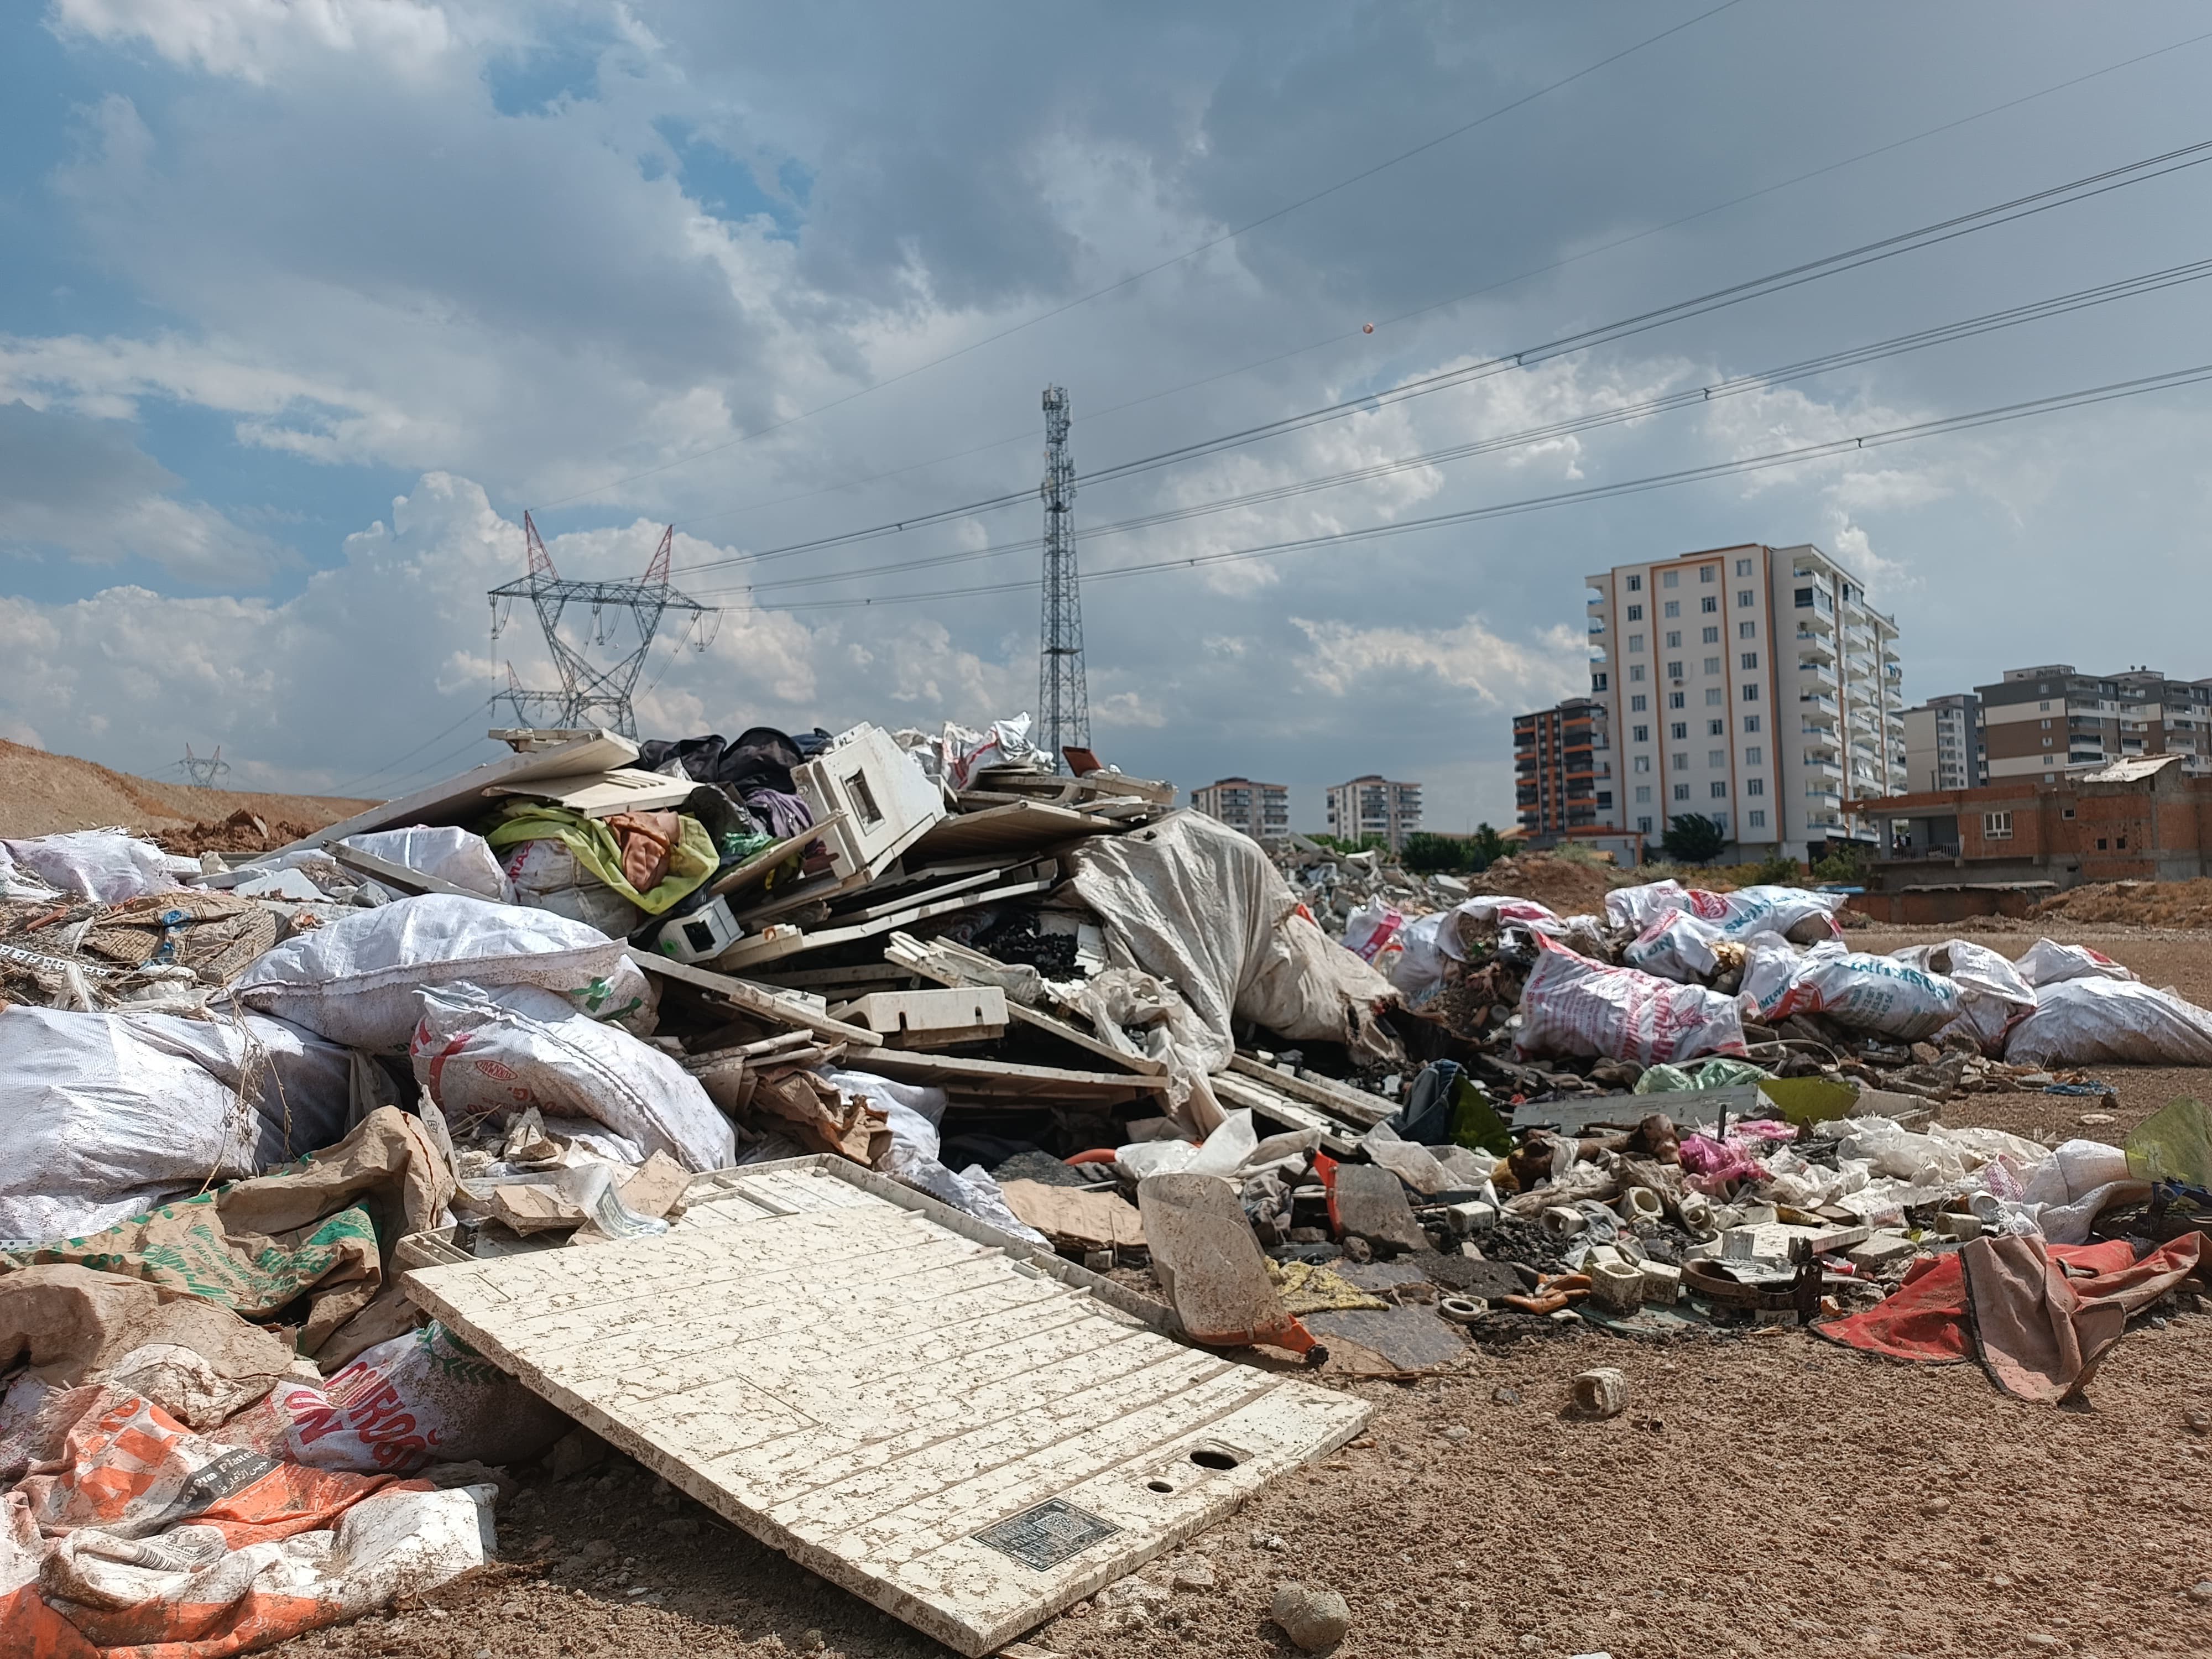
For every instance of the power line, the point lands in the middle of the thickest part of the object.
(1865, 253)
(1211, 243)
(355, 781)
(1469, 294)
(1851, 356)
(2083, 398)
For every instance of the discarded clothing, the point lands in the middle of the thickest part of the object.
(651, 859)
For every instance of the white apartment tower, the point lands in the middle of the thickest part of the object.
(1753, 684)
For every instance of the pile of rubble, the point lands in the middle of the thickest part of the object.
(658, 1095)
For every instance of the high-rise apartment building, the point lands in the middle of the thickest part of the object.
(1375, 806)
(1752, 684)
(1261, 811)
(1943, 747)
(2042, 723)
(1562, 772)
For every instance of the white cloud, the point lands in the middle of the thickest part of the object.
(257, 40)
(1468, 657)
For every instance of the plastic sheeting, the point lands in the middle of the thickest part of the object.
(105, 866)
(459, 856)
(1993, 998)
(353, 981)
(1201, 906)
(914, 1110)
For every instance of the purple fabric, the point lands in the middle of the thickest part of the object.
(785, 815)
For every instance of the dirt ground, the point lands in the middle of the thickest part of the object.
(1764, 1495)
(41, 794)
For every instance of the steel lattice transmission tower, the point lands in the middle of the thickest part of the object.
(1063, 697)
(203, 769)
(591, 695)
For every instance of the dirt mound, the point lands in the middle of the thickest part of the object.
(41, 794)
(241, 832)
(2138, 903)
(1568, 885)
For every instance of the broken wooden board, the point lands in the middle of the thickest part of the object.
(940, 1017)
(757, 1000)
(1233, 1089)
(1356, 1105)
(970, 1435)
(1016, 828)
(952, 963)
(1003, 1079)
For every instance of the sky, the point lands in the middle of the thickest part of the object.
(305, 302)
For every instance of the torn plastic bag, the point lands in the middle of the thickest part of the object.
(1798, 915)
(2080, 1022)
(1572, 1006)
(106, 1117)
(1445, 1106)
(1993, 998)
(353, 981)
(2047, 961)
(1675, 946)
(448, 853)
(962, 753)
(105, 866)
(1863, 993)
(1371, 933)
(423, 1398)
(1201, 906)
(491, 1052)
(544, 875)
(914, 1110)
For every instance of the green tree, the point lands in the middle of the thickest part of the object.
(1847, 865)
(1425, 854)
(1486, 847)
(1694, 838)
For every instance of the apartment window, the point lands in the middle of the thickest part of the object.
(1754, 786)
(2044, 708)
(1677, 700)
(1803, 598)
(1681, 761)
(1636, 702)
(1712, 637)
(1717, 757)
(1710, 604)
(1605, 797)
(1755, 756)
(1750, 660)
(1757, 817)
(1715, 728)
(1641, 763)
(2045, 724)
(1747, 630)
(1636, 584)
(1719, 790)
(1751, 694)
(1678, 731)
(1681, 792)
(2068, 812)
(1675, 672)
(1635, 671)
(1743, 566)
(1636, 641)
(1715, 695)
(1600, 680)
(1643, 794)
(1635, 613)
(2101, 843)
(1642, 734)
(2047, 743)
(1670, 579)
(1707, 572)
(1743, 598)
(1671, 609)
(1712, 664)
(2122, 844)
(1643, 825)
(1997, 826)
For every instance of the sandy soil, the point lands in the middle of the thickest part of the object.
(1763, 1496)
(42, 793)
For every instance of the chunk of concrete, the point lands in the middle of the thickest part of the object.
(1371, 1204)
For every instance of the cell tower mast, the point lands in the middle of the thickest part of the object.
(1063, 697)
(591, 695)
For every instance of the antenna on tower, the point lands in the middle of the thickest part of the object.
(590, 694)
(1063, 698)
(203, 769)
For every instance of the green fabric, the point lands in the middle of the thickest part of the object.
(691, 861)
(1475, 1124)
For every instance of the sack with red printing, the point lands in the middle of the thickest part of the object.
(426, 1397)
(1675, 946)
(1861, 993)
(1572, 1006)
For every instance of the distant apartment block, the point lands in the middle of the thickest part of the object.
(2044, 723)
(1375, 806)
(1943, 747)
(1562, 770)
(1261, 811)
(1752, 684)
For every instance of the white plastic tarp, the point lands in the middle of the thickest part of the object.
(353, 981)
(105, 866)
(487, 1053)
(1198, 905)
(448, 853)
(2080, 1022)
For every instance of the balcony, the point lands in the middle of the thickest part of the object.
(1814, 621)
(1819, 700)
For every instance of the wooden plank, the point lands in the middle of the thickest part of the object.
(922, 895)
(399, 875)
(1235, 1090)
(941, 962)
(1366, 1109)
(755, 1000)
(603, 794)
(833, 979)
(462, 798)
(959, 1428)
(1007, 1079)
(747, 952)
(1016, 828)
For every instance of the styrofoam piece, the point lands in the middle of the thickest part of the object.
(885, 802)
(970, 1434)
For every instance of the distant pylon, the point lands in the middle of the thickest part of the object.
(590, 694)
(203, 769)
(1063, 698)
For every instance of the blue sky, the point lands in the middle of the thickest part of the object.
(307, 301)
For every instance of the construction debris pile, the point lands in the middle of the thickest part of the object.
(345, 1175)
